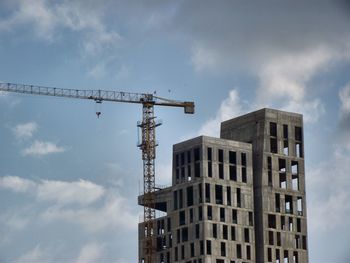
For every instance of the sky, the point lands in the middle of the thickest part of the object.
(69, 180)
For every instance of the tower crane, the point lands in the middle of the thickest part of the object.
(147, 145)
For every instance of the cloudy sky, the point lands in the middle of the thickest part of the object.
(69, 181)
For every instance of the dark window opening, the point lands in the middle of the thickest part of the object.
(244, 174)
(248, 252)
(273, 129)
(208, 247)
(304, 242)
(192, 249)
(223, 249)
(285, 131)
(200, 213)
(215, 231)
(285, 147)
(207, 193)
(221, 156)
(182, 252)
(243, 159)
(201, 247)
(246, 235)
(298, 134)
(197, 231)
(175, 200)
(269, 254)
(209, 213)
(278, 239)
(196, 154)
(233, 173)
(250, 215)
(273, 145)
(222, 214)
(269, 170)
(218, 194)
(283, 180)
(188, 156)
(232, 158)
(197, 170)
(234, 216)
(239, 251)
(224, 232)
(177, 160)
(184, 234)
(228, 195)
(209, 151)
(272, 221)
(233, 233)
(200, 193)
(180, 198)
(191, 215)
(239, 201)
(271, 238)
(210, 169)
(285, 258)
(190, 196)
(182, 158)
(277, 203)
(182, 218)
(298, 225)
(221, 170)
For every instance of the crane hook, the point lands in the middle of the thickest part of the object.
(98, 108)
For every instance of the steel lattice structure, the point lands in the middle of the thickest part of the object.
(148, 144)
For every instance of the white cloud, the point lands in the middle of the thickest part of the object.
(82, 192)
(25, 130)
(284, 81)
(47, 18)
(114, 214)
(39, 148)
(36, 255)
(90, 253)
(330, 207)
(16, 184)
(229, 108)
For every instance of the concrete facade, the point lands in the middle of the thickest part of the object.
(238, 198)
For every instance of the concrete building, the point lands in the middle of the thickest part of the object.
(238, 198)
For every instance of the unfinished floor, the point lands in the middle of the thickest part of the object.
(237, 198)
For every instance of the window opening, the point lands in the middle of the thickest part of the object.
(218, 194)
(289, 204)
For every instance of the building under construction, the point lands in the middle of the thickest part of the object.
(237, 198)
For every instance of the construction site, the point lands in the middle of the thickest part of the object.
(237, 198)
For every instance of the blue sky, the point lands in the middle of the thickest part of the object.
(69, 181)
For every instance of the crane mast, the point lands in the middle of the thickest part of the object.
(147, 145)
